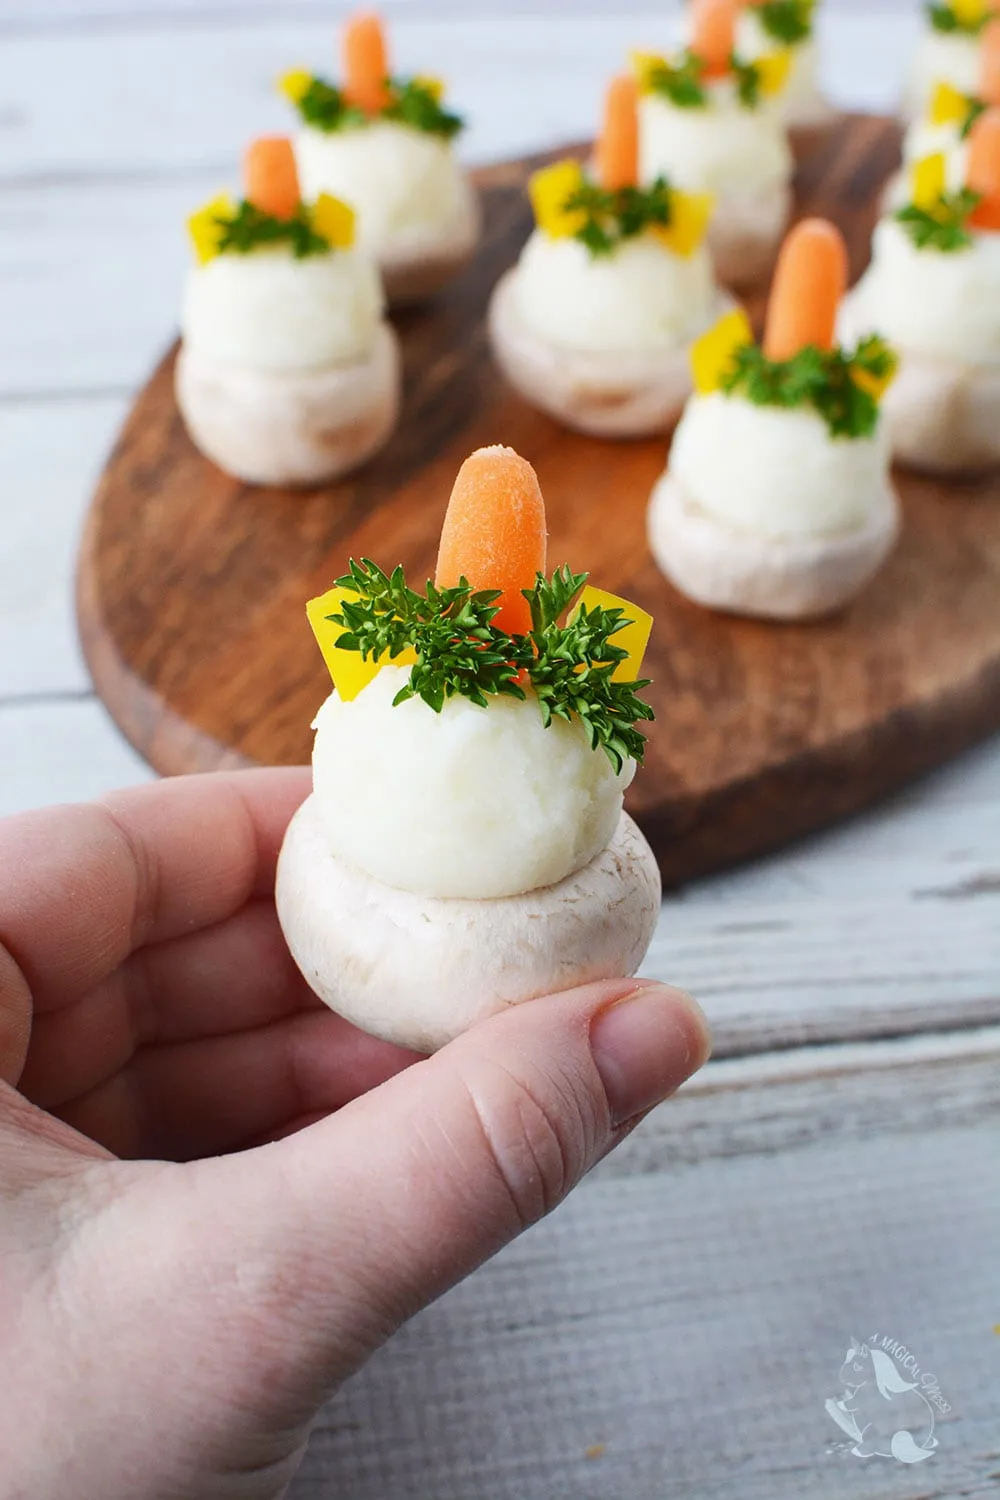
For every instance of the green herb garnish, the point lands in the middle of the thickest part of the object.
(460, 652)
(787, 21)
(250, 227)
(681, 82)
(413, 102)
(944, 18)
(618, 215)
(747, 76)
(841, 388)
(943, 227)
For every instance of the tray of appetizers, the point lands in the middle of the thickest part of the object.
(823, 628)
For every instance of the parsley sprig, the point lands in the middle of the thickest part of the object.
(460, 651)
(840, 387)
(943, 227)
(943, 18)
(250, 227)
(412, 102)
(681, 82)
(786, 21)
(621, 214)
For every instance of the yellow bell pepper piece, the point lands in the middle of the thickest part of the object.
(712, 354)
(689, 217)
(928, 181)
(948, 106)
(205, 229)
(645, 65)
(295, 84)
(432, 86)
(970, 12)
(772, 71)
(550, 190)
(350, 672)
(334, 220)
(875, 385)
(633, 638)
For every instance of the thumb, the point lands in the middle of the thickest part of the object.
(358, 1221)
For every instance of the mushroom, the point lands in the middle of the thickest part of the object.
(776, 501)
(385, 144)
(287, 372)
(710, 121)
(594, 323)
(933, 286)
(464, 847)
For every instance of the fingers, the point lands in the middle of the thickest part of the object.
(82, 886)
(358, 1221)
(206, 1097)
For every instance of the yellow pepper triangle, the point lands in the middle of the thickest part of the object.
(970, 12)
(772, 71)
(712, 354)
(689, 217)
(633, 638)
(645, 66)
(295, 84)
(350, 672)
(432, 86)
(334, 220)
(550, 190)
(928, 181)
(206, 230)
(948, 106)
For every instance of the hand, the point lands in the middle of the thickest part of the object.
(216, 1197)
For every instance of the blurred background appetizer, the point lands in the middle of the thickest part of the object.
(933, 287)
(776, 500)
(595, 321)
(764, 27)
(288, 373)
(710, 122)
(947, 51)
(385, 144)
(465, 847)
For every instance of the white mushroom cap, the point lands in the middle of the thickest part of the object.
(418, 970)
(748, 572)
(613, 393)
(291, 428)
(470, 802)
(418, 214)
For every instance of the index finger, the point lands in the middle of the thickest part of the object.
(81, 887)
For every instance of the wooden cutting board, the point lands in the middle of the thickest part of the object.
(191, 586)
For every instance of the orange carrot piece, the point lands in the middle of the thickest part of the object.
(272, 181)
(713, 34)
(982, 169)
(366, 63)
(809, 281)
(494, 532)
(618, 147)
(988, 87)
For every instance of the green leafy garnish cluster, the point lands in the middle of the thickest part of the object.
(681, 82)
(841, 388)
(460, 651)
(943, 18)
(249, 227)
(747, 76)
(975, 107)
(620, 214)
(786, 21)
(943, 227)
(412, 102)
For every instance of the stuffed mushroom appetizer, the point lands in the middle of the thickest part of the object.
(288, 373)
(465, 848)
(776, 501)
(947, 52)
(595, 321)
(710, 122)
(386, 145)
(933, 287)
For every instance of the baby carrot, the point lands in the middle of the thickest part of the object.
(988, 87)
(713, 34)
(809, 281)
(272, 182)
(618, 147)
(494, 532)
(366, 64)
(982, 169)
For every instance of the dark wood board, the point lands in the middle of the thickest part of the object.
(191, 586)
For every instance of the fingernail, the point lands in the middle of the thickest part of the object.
(645, 1045)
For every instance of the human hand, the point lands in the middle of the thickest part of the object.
(216, 1197)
